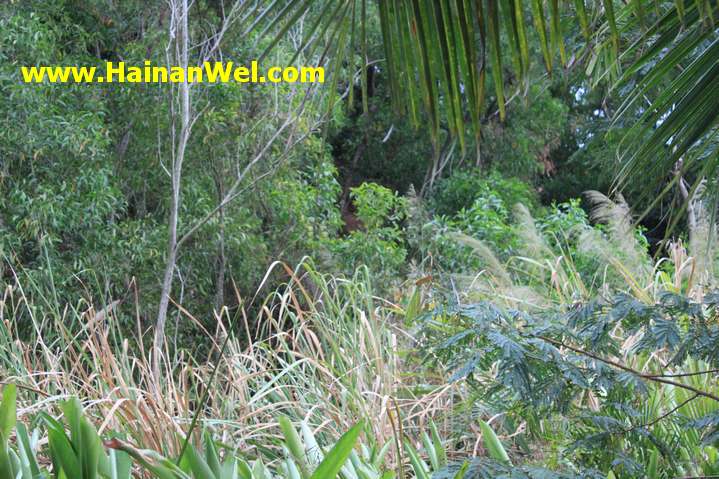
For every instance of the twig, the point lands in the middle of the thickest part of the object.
(26, 388)
(682, 375)
(631, 370)
(665, 415)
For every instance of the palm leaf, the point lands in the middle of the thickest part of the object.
(434, 50)
(678, 72)
(435, 55)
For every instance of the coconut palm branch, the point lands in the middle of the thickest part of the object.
(673, 81)
(438, 54)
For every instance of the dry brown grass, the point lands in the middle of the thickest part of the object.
(330, 354)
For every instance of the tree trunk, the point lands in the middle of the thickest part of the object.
(221, 258)
(179, 157)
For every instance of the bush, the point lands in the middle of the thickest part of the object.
(461, 189)
(477, 205)
(379, 243)
(622, 385)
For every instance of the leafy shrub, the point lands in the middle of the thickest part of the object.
(489, 220)
(631, 383)
(560, 252)
(470, 203)
(378, 207)
(462, 188)
(562, 226)
(379, 243)
(523, 146)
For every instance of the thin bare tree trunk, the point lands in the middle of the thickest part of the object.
(221, 258)
(179, 34)
(179, 157)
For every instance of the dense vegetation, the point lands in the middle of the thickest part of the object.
(484, 247)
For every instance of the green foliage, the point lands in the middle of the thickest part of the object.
(474, 204)
(379, 242)
(575, 368)
(379, 146)
(563, 218)
(523, 146)
(493, 444)
(83, 182)
(557, 257)
(614, 387)
(463, 188)
(497, 464)
(562, 226)
(590, 159)
(57, 188)
(7, 424)
(378, 206)
(81, 454)
(488, 219)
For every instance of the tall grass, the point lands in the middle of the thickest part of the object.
(543, 273)
(544, 277)
(318, 355)
(327, 353)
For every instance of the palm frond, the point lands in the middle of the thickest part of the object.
(438, 54)
(673, 78)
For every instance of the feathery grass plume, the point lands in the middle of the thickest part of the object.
(626, 254)
(701, 249)
(494, 268)
(537, 257)
(541, 264)
(495, 281)
(535, 245)
(417, 218)
(592, 242)
(684, 277)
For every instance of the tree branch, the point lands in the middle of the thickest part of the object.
(665, 415)
(650, 377)
(683, 375)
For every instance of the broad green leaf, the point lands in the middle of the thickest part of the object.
(462, 471)
(29, 463)
(418, 465)
(493, 444)
(8, 408)
(337, 456)
(198, 466)
(293, 443)
(211, 456)
(438, 447)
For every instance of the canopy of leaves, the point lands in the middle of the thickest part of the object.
(599, 365)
